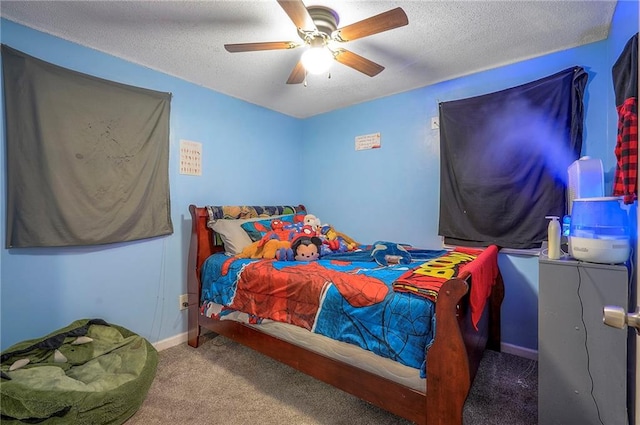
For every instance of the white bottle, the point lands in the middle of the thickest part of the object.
(553, 237)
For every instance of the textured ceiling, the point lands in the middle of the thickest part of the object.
(443, 40)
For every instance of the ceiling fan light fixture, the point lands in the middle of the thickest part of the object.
(317, 60)
(326, 20)
(317, 27)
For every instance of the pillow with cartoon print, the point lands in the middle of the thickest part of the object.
(257, 229)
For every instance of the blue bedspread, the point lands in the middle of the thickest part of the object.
(350, 301)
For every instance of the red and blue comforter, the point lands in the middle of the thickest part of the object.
(350, 301)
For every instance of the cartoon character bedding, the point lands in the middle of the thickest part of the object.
(349, 296)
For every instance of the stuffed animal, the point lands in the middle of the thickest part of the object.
(331, 234)
(305, 247)
(386, 253)
(285, 254)
(279, 230)
(312, 221)
(271, 248)
(264, 248)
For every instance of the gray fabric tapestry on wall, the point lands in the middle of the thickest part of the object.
(87, 158)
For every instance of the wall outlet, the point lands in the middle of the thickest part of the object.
(183, 301)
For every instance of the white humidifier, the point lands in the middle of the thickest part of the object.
(599, 231)
(586, 179)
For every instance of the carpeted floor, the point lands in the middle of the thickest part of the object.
(222, 382)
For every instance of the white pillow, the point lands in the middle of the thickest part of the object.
(234, 237)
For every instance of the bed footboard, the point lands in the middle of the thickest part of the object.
(447, 360)
(454, 357)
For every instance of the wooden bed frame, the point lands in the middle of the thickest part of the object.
(452, 360)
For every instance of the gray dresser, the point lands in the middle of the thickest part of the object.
(582, 363)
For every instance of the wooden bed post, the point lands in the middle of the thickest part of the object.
(193, 282)
(447, 360)
(200, 248)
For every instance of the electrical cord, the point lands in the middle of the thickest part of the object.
(632, 294)
(586, 344)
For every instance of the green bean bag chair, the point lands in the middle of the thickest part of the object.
(89, 372)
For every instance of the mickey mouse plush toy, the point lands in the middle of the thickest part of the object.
(306, 247)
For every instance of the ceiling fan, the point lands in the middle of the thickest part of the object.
(318, 28)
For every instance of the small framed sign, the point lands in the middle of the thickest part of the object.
(368, 141)
(190, 158)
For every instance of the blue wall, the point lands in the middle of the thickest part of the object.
(137, 284)
(398, 184)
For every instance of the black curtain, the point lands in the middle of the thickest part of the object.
(504, 160)
(87, 158)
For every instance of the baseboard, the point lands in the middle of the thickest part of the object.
(516, 350)
(171, 342)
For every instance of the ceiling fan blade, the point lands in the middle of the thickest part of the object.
(385, 21)
(297, 75)
(298, 13)
(268, 45)
(358, 63)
